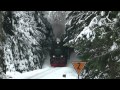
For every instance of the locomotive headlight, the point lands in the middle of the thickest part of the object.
(61, 55)
(53, 56)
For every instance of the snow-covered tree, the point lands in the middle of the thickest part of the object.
(27, 45)
(2, 40)
(95, 37)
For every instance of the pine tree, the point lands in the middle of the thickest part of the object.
(7, 23)
(95, 37)
(2, 40)
(26, 49)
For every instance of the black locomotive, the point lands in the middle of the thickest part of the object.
(58, 54)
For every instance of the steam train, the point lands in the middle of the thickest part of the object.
(58, 55)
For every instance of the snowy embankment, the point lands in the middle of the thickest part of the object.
(49, 72)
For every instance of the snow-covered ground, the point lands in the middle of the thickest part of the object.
(49, 72)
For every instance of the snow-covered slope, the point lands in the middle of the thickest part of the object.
(49, 72)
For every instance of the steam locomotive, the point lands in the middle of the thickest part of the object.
(58, 55)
